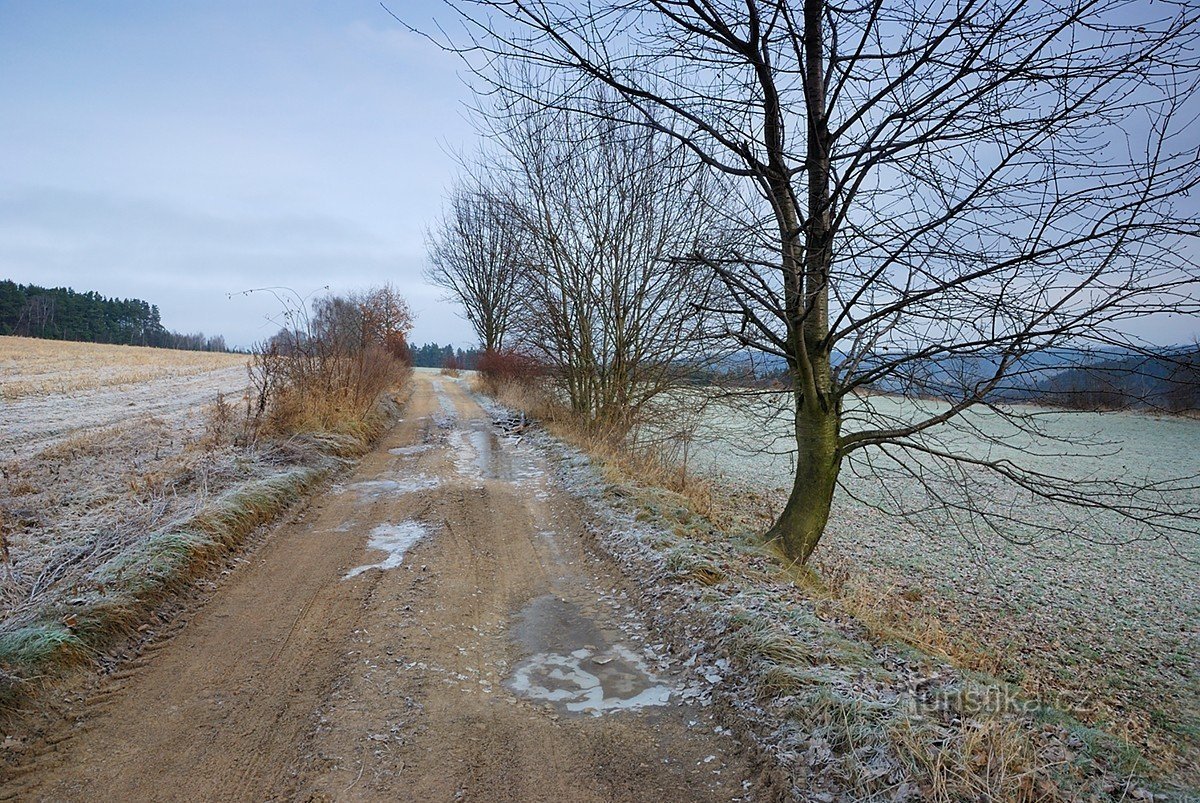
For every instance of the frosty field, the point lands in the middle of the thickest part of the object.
(1101, 619)
(51, 390)
(100, 446)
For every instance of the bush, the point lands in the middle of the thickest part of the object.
(503, 367)
(324, 372)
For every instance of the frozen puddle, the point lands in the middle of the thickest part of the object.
(404, 451)
(480, 453)
(575, 668)
(373, 488)
(449, 412)
(395, 540)
(590, 683)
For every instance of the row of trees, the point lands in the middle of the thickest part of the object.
(577, 240)
(874, 194)
(431, 355)
(60, 313)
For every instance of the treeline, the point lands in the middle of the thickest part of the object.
(61, 313)
(431, 355)
(1169, 383)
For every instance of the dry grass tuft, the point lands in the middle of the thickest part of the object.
(993, 759)
(650, 464)
(894, 614)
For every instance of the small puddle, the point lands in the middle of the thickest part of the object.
(575, 667)
(494, 463)
(404, 451)
(481, 453)
(377, 488)
(395, 540)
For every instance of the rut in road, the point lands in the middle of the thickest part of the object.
(436, 627)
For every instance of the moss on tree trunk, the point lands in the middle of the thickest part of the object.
(806, 513)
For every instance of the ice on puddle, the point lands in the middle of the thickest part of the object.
(620, 682)
(404, 451)
(395, 540)
(408, 485)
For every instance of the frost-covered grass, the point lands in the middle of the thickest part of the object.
(54, 392)
(1100, 618)
(114, 495)
(840, 713)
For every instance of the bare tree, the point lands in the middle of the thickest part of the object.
(472, 254)
(611, 219)
(934, 191)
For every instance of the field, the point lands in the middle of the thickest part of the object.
(52, 390)
(1099, 619)
(100, 447)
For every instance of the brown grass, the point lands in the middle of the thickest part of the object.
(649, 464)
(894, 613)
(994, 760)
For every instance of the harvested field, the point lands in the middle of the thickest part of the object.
(53, 390)
(101, 447)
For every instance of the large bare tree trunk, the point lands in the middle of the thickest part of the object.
(806, 251)
(806, 513)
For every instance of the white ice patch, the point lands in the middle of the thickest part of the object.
(562, 679)
(404, 451)
(408, 485)
(449, 412)
(466, 456)
(395, 540)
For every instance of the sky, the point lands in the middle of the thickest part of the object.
(183, 152)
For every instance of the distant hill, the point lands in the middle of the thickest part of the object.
(1169, 382)
(1081, 379)
(61, 313)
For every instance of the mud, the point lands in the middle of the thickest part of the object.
(479, 650)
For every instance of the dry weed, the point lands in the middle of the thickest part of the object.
(650, 464)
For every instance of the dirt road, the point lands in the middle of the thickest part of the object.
(436, 628)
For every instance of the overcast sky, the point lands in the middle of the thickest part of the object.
(182, 151)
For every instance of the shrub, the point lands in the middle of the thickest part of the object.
(502, 367)
(324, 371)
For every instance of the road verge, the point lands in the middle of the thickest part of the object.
(107, 610)
(842, 713)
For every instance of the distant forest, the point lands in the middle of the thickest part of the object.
(431, 355)
(60, 313)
